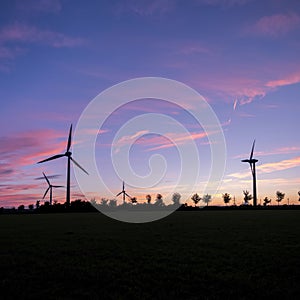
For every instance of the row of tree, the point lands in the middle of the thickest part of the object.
(158, 202)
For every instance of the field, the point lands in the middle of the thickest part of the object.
(188, 255)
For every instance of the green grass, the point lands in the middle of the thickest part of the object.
(188, 255)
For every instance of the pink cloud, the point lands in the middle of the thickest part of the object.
(271, 167)
(278, 151)
(275, 25)
(281, 165)
(290, 79)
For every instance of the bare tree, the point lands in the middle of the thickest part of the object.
(196, 198)
(176, 198)
(279, 196)
(206, 199)
(226, 198)
(267, 201)
(148, 198)
(247, 197)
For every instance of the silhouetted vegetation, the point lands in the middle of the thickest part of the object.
(226, 198)
(196, 199)
(279, 196)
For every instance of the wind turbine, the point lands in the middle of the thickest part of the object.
(252, 161)
(68, 154)
(50, 186)
(123, 192)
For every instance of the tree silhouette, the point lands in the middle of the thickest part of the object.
(226, 198)
(21, 207)
(112, 203)
(104, 202)
(279, 196)
(176, 198)
(148, 198)
(299, 196)
(133, 200)
(247, 197)
(37, 205)
(196, 198)
(30, 206)
(159, 200)
(206, 199)
(267, 201)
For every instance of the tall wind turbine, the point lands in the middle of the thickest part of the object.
(252, 161)
(68, 154)
(123, 192)
(50, 186)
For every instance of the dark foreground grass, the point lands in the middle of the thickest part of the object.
(188, 255)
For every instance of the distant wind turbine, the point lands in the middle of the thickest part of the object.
(252, 161)
(68, 154)
(123, 192)
(50, 186)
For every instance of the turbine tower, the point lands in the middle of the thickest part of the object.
(50, 186)
(123, 192)
(68, 154)
(252, 161)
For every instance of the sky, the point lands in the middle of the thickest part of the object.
(242, 56)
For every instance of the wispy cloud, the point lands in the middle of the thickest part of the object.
(277, 151)
(290, 79)
(279, 166)
(157, 142)
(45, 6)
(270, 167)
(275, 25)
(24, 33)
(145, 7)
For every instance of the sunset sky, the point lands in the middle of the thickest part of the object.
(242, 56)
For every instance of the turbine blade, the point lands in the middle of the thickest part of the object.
(57, 186)
(51, 158)
(127, 195)
(78, 165)
(119, 194)
(46, 192)
(69, 139)
(46, 179)
(251, 155)
(123, 186)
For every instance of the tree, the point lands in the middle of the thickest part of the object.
(206, 199)
(104, 202)
(267, 201)
(226, 198)
(279, 196)
(176, 199)
(299, 195)
(148, 198)
(247, 197)
(196, 198)
(133, 200)
(112, 203)
(37, 205)
(159, 201)
(21, 207)
(30, 206)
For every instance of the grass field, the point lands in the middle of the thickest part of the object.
(188, 255)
